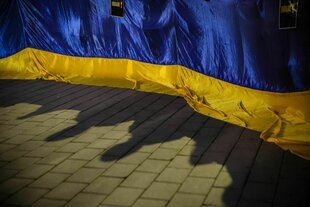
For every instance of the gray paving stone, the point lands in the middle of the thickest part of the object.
(292, 192)
(97, 162)
(87, 138)
(174, 175)
(72, 147)
(163, 191)
(164, 154)
(268, 175)
(120, 170)
(99, 130)
(192, 150)
(123, 196)
(54, 158)
(13, 185)
(114, 134)
(134, 158)
(231, 180)
(86, 154)
(231, 154)
(34, 171)
(36, 130)
(102, 143)
(176, 144)
(117, 151)
(85, 175)
(186, 200)
(21, 163)
(139, 180)
(69, 166)
(65, 191)
(85, 200)
(2, 163)
(214, 123)
(49, 203)
(149, 203)
(154, 166)
(222, 197)
(210, 170)
(145, 148)
(213, 157)
(27, 196)
(19, 139)
(51, 122)
(59, 142)
(254, 203)
(187, 162)
(26, 125)
(103, 185)
(241, 160)
(259, 191)
(12, 132)
(197, 185)
(12, 154)
(5, 148)
(3, 198)
(42, 151)
(7, 173)
(49, 180)
(3, 139)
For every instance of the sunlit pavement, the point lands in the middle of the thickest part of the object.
(73, 145)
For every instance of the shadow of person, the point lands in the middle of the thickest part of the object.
(138, 121)
(233, 163)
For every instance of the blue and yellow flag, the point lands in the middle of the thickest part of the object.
(228, 59)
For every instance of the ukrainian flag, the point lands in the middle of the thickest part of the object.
(227, 58)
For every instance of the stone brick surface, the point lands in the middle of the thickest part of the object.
(134, 158)
(222, 197)
(86, 200)
(72, 147)
(27, 196)
(108, 147)
(54, 158)
(13, 185)
(49, 180)
(123, 196)
(139, 180)
(197, 185)
(21, 163)
(103, 185)
(174, 175)
(120, 170)
(85, 175)
(181, 199)
(164, 154)
(49, 203)
(34, 171)
(7, 173)
(69, 166)
(65, 191)
(86, 154)
(160, 190)
(154, 166)
(149, 203)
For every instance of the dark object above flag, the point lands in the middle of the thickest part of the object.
(288, 14)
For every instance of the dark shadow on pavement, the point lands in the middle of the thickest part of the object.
(244, 171)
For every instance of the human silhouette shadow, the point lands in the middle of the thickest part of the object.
(140, 120)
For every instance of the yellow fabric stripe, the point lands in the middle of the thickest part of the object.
(282, 118)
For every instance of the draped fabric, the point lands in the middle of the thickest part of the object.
(227, 58)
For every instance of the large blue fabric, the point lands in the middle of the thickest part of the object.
(237, 41)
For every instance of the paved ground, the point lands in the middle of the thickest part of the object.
(71, 145)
